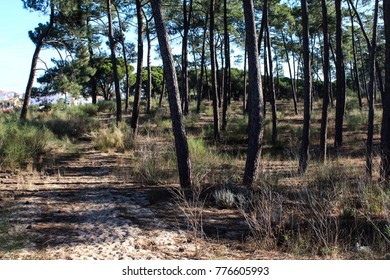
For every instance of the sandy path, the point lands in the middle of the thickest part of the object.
(80, 208)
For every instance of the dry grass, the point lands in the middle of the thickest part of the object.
(330, 212)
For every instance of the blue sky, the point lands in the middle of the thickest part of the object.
(16, 48)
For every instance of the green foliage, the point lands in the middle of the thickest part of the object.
(22, 143)
(155, 166)
(113, 138)
(356, 120)
(208, 166)
(106, 106)
(71, 126)
(330, 176)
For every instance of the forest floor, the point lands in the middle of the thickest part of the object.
(83, 207)
(89, 202)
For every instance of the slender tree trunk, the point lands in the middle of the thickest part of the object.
(355, 68)
(185, 88)
(162, 91)
(93, 81)
(266, 76)
(244, 101)
(371, 90)
(255, 132)
(127, 73)
(219, 79)
(202, 60)
(377, 66)
(214, 87)
(149, 68)
(385, 129)
(182, 151)
(226, 88)
(35, 58)
(271, 84)
(340, 79)
(293, 91)
(114, 65)
(140, 57)
(304, 153)
(325, 102)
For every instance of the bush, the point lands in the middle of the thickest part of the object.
(87, 110)
(71, 127)
(109, 138)
(106, 106)
(22, 143)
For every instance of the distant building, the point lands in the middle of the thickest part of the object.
(9, 101)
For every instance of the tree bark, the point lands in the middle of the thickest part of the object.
(127, 74)
(377, 66)
(114, 65)
(214, 87)
(35, 58)
(186, 26)
(140, 57)
(385, 129)
(304, 153)
(202, 60)
(255, 132)
(182, 151)
(355, 68)
(340, 79)
(293, 90)
(148, 67)
(271, 84)
(325, 99)
(371, 92)
(226, 88)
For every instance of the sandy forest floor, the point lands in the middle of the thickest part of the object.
(83, 206)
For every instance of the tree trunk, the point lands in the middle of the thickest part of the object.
(340, 79)
(162, 91)
(377, 66)
(127, 74)
(226, 88)
(114, 65)
(38, 48)
(385, 129)
(271, 84)
(93, 81)
(186, 27)
(149, 68)
(182, 151)
(355, 68)
(304, 153)
(202, 60)
(244, 101)
(255, 132)
(140, 57)
(293, 90)
(214, 72)
(371, 90)
(325, 99)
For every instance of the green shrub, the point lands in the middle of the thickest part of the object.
(106, 106)
(71, 127)
(22, 143)
(87, 110)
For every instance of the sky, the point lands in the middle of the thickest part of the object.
(16, 48)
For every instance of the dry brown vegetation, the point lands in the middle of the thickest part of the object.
(114, 197)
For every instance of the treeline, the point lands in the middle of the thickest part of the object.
(324, 46)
